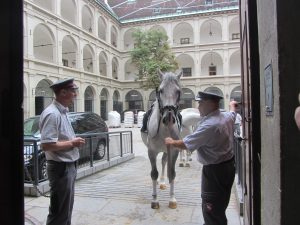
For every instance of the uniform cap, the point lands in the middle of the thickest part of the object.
(207, 96)
(62, 84)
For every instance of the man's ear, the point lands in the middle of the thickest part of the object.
(64, 92)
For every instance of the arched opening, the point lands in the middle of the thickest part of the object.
(89, 99)
(103, 103)
(211, 32)
(46, 4)
(134, 100)
(235, 63)
(69, 52)
(43, 43)
(68, 10)
(183, 34)
(103, 64)
(88, 58)
(114, 36)
(186, 64)
(117, 103)
(187, 98)
(115, 68)
(128, 39)
(211, 64)
(43, 96)
(234, 29)
(87, 19)
(130, 71)
(102, 27)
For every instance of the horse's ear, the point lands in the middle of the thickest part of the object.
(179, 74)
(160, 74)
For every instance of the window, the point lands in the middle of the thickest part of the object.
(212, 69)
(208, 2)
(235, 36)
(179, 10)
(184, 41)
(156, 10)
(65, 62)
(187, 72)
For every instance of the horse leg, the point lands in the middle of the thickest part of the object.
(154, 175)
(181, 155)
(172, 157)
(162, 182)
(188, 157)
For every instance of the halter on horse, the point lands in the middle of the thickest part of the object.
(162, 123)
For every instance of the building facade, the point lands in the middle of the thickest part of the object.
(90, 40)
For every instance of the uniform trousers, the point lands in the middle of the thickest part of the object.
(217, 181)
(62, 176)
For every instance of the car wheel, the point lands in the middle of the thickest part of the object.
(100, 150)
(43, 175)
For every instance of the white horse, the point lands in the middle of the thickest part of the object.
(190, 119)
(162, 123)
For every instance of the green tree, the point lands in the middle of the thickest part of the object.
(151, 53)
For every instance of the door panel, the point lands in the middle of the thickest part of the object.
(246, 101)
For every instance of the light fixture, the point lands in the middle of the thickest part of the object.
(210, 32)
(211, 59)
(90, 29)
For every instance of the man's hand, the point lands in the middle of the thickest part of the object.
(78, 141)
(233, 106)
(297, 117)
(178, 144)
(169, 141)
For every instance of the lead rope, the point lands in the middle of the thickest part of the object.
(34, 185)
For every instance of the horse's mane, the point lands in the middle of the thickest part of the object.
(170, 78)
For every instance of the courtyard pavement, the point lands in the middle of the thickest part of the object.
(121, 195)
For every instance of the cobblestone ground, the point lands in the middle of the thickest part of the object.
(122, 196)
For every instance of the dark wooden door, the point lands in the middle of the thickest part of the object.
(251, 113)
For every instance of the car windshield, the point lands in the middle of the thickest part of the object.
(31, 126)
(86, 122)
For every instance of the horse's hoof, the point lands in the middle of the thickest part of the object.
(187, 165)
(172, 205)
(163, 187)
(180, 164)
(154, 205)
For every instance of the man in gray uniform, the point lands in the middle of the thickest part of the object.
(60, 144)
(213, 140)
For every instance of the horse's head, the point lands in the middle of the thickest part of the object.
(168, 95)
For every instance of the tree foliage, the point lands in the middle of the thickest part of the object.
(152, 52)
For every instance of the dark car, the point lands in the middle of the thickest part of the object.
(83, 123)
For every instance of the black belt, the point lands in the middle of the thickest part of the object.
(61, 162)
(227, 161)
(221, 163)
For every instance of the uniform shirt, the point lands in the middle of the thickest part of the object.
(213, 138)
(55, 126)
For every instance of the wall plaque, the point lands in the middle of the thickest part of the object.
(268, 73)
